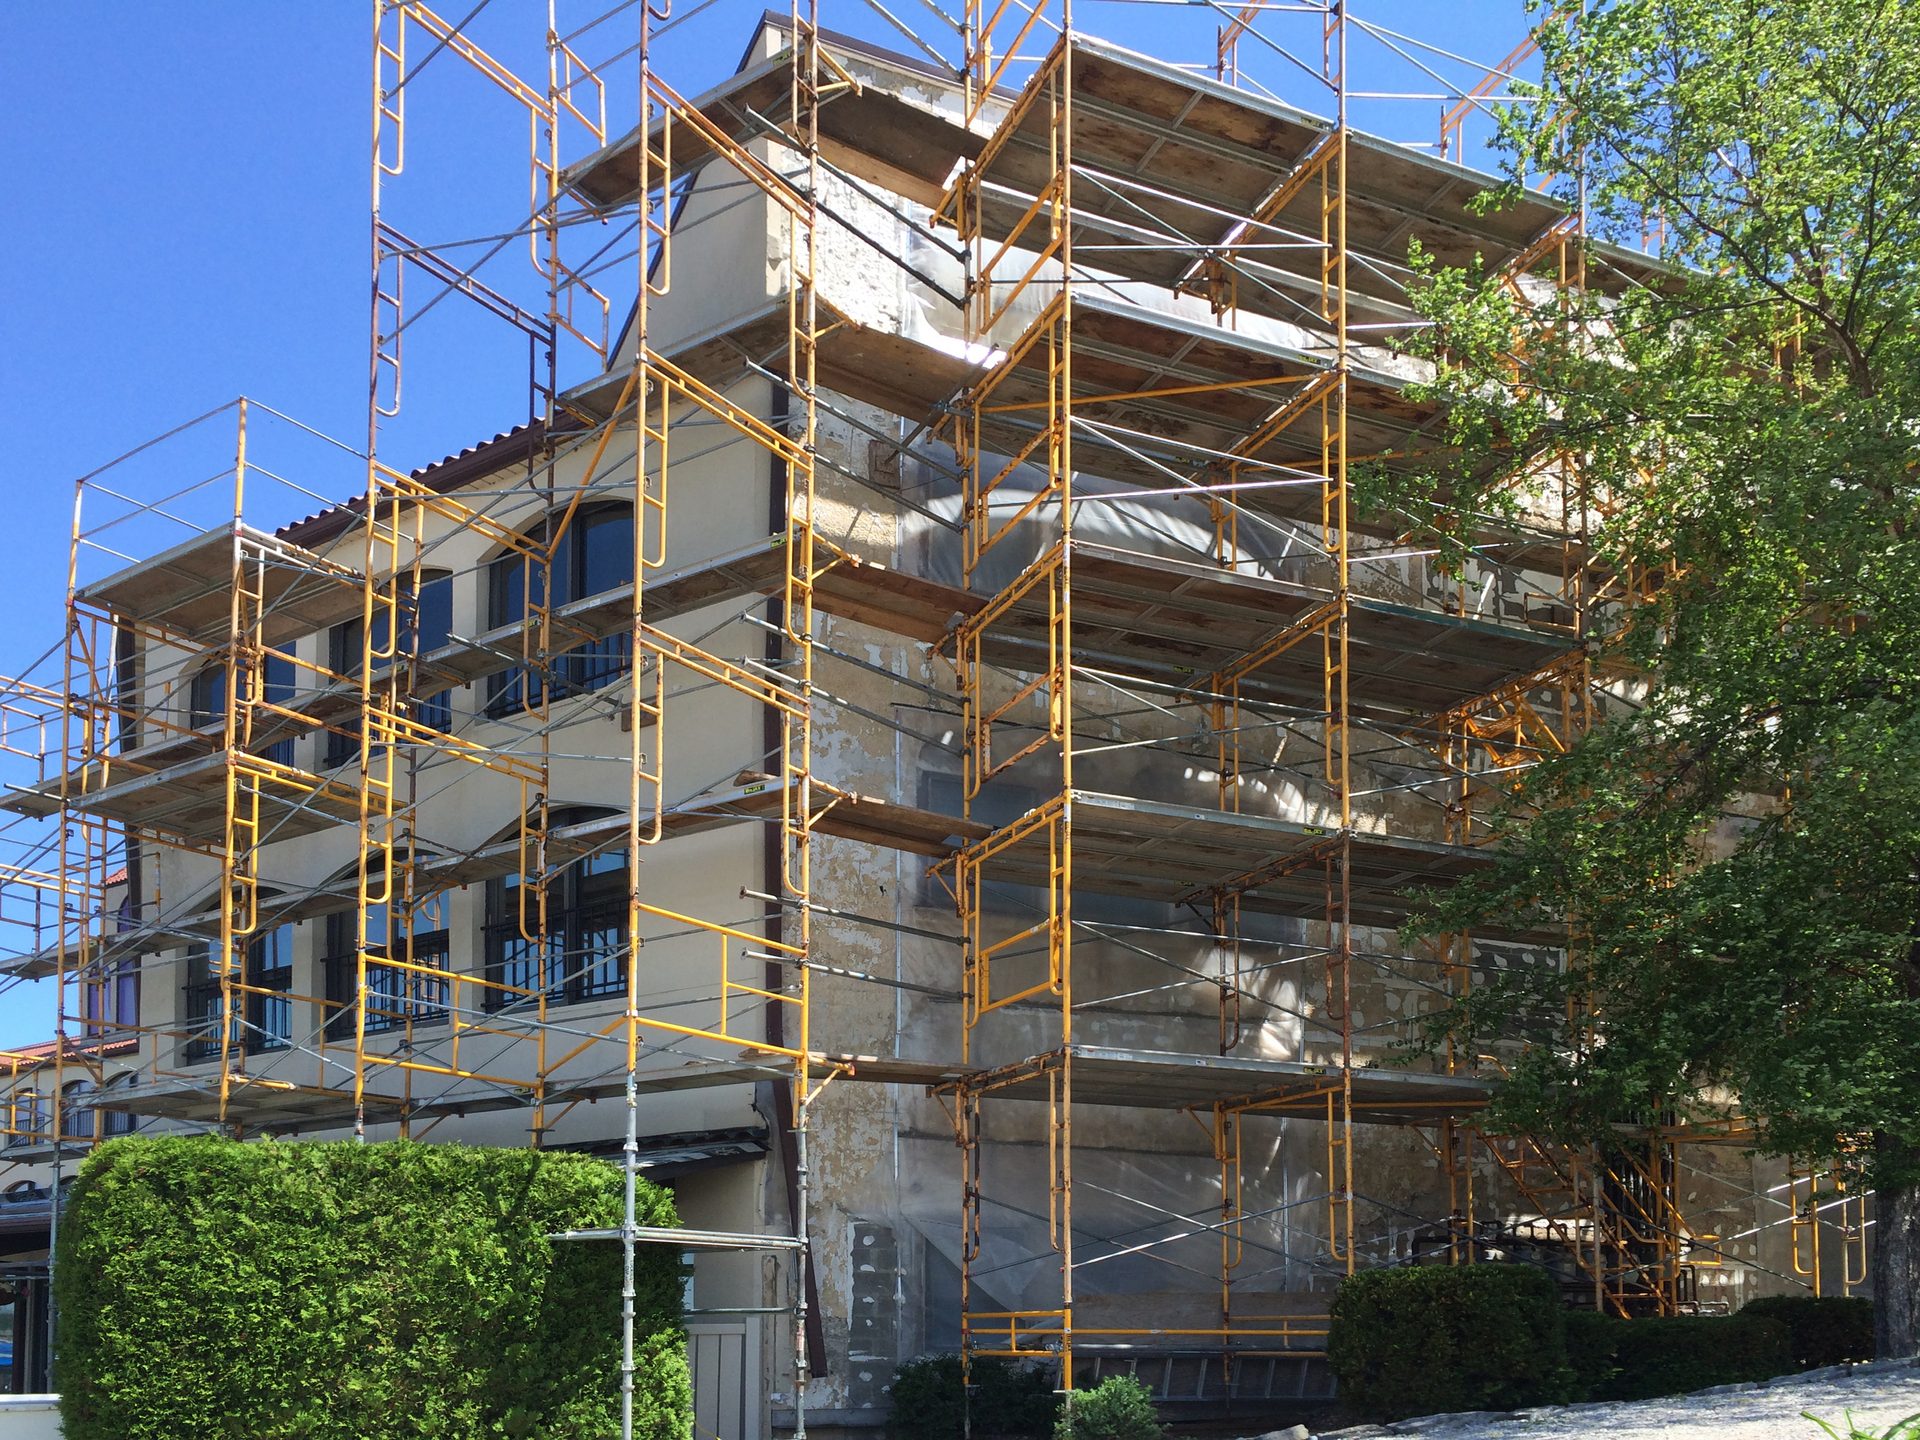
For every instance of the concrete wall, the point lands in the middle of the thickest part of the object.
(29, 1417)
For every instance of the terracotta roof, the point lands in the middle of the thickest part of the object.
(42, 1051)
(449, 473)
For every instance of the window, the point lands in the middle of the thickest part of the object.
(115, 1122)
(395, 996)
(126, 687)
(76, 1109)
(584, 954)
(427, 621)
(263, 1020)
(112, 1001)
(207, 699)
(26, 1117)
(594, 556)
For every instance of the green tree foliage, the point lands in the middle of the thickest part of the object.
(355, 1292)
(1736, 846)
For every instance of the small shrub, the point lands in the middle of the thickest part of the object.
(1821, 1329)
(1434, 1338)
(1118, 1408)
(1010, 1402)
(1674, 1354)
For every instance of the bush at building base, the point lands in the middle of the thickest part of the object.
(1674, 1354)
(1009, 1402)
(274, 1291)
(1434, 1338)
(1118, 1408)
(1821, 1329)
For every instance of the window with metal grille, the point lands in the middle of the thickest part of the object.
(583, 956)
(406, 976)
(263, 1017)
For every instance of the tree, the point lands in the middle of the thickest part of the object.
(1735, 844)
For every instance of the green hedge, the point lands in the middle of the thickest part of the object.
(1010, 1402)
(218, 1290)
(1674, 1354)
(1821, 1330)
(1615, 1359)
(1434, 1338)
(1592, 1340)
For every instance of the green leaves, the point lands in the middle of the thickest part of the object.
(354, 1292)
(1735, 849)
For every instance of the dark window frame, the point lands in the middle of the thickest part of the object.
(428, 627)
(586, 937)
(265, 1023)
(207, 697)
(116, 1122)
(586, 564)
(397, 999)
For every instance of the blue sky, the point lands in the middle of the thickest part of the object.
(189, 222)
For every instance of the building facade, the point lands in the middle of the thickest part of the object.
(929, 721)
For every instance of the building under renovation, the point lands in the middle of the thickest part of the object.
(907, 734)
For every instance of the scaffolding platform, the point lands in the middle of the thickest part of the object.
(1183, 853)
(898, 373)
(850, 589)
(302, 714)
(848, 816)
(1194, 168)
(187, 591)
(1197, 167)
(874, 135)
(1160, 394)
(189, 800)
(1164, 1080)
(1190, 624)
(257, 1100)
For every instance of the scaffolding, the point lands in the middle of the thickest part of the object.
(1170, 290)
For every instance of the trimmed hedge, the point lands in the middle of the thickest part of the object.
(268, 1290)
(1010, 1402)
(1821, 1329)
(1674, 1354)
(1592, 1342)
(1433, 1338)
(1615, 1359)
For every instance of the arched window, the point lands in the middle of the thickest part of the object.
(427, 624)
(594, 556)
(207, 698)
(76, 1109)
(395, 996)
(584, 956)
(115, 1122)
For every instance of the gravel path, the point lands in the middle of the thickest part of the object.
(1877, 1394)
